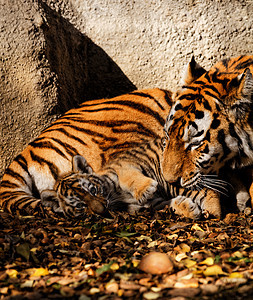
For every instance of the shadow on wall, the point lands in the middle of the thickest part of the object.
(84, 71)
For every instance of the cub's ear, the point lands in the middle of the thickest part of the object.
(80, 165)
(246, 85)
(192, 72)
(49, 199)
(244, 95)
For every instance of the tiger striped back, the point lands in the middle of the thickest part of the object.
(97, 130)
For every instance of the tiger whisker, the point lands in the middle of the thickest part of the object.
(212, 187)
(220, 181)
(218, 185)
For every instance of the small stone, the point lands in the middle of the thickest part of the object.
(156, 263)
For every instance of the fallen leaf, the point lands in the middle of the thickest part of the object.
(209, 261)
(189, 263)
(40, 272)
(151, 295)
(213, 271)
(196, 227)
(23, 250)
(12, 273)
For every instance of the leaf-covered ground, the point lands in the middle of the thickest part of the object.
(96, 258)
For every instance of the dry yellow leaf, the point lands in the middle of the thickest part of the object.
(94, 290)
(188, 262)
(40, 272)
(12, 273)
(191, 283)
(114, 266)
(112, 287)
(152, 244)
(135, 262)
(213, 271)
(172, 236)
(180, 256)
(182, 248)
(235, 275)
(237, 254)
(196, 227)
(208, 261)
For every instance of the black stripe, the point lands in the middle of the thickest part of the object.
(63, 130)
(69, 149)
(16, 175)
(207, 105)
(47, 145)
(221, 140)
(53, 169)
(188, 96)
(225, 62)
(137, 126)
(210, 94)
(207, 77)
(244, 64)
(211, 87)
(237, 60)
(96, 110)
(9, 184)
(223, 81)
(22, 162)
(136, 106)
(234, 134)
(80, 129)
(145, 95)
(168, 97)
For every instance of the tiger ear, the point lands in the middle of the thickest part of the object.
(80, 165)
(244, 95)
(192, 72)
(246, 84)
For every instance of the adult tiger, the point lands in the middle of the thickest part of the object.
(102, 131)
(210, 125)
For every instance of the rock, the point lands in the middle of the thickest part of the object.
(156, 263)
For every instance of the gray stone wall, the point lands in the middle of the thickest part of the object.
(56, 54)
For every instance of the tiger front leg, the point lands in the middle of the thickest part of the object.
(132, 180)
(204, 203)
(209, 201)
(184, 206)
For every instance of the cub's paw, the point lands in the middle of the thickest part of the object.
(146, 192)
(184, 206)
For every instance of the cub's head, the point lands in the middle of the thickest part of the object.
(78, 192)
(210, 123)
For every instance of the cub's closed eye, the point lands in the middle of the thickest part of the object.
(93, 190)
(80, 205)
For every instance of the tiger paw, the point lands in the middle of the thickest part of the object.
(184, 206)
(146, 192)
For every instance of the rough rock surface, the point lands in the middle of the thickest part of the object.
(56, 54)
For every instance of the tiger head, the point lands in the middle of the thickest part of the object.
(210, 123)
(78, 192)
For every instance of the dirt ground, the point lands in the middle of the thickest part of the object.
(97, 258)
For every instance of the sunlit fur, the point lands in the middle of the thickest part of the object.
(121, 140)
(98, 130)
(211, 125)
